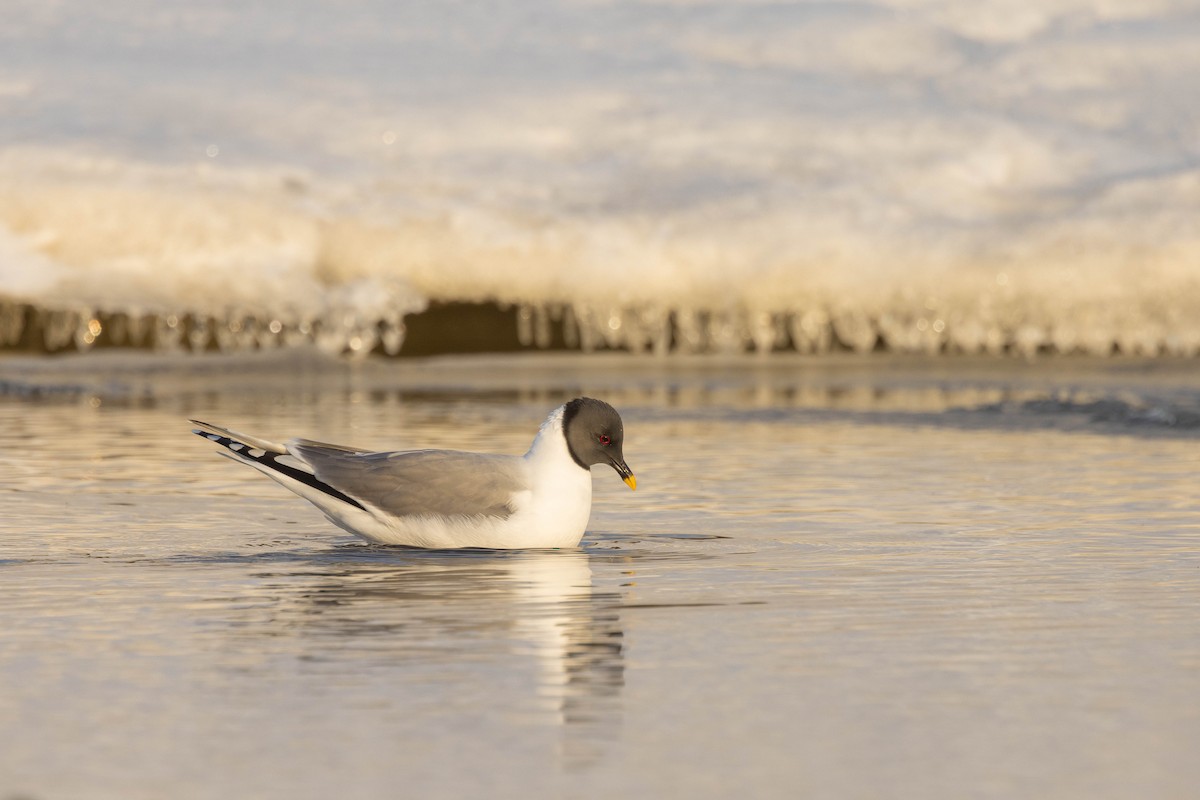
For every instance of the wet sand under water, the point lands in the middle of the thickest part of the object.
(838, 578)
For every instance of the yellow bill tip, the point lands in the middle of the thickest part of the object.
(632, 481)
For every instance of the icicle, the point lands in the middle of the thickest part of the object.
(392, 330)
(58, 329)
(763, 331)
(303, 331)
(541, 327)
(611, 328)
(138, 327)
(854, 330)
(525, 325)
(200, 333)
(361, 340)
(727, 332)
(167, 332)
(87, 330)
(689, 327)
(1027, 339)
(12, 323)
(270, 335)
(570, 328)
(330, 335)
(811, 331)
(226, 334)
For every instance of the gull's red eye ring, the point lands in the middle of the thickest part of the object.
(603, 439)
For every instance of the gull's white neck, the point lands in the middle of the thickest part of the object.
(560, 489)
(550, 444)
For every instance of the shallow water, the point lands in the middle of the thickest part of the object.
(836, 579)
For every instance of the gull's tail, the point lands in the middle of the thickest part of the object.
(273, 460)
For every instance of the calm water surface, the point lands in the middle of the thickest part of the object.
(856, 582)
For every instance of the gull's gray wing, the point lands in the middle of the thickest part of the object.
(336, 448)
(413, 482)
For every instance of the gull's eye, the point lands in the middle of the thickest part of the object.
(603, 439)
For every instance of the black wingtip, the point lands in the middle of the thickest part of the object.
(243, 453)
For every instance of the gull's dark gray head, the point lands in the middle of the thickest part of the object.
(595, 435)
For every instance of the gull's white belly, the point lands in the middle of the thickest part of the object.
(554, 514)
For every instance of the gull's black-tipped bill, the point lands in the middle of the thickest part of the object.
(626, 474)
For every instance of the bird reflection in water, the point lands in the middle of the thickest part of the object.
(437, 609)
